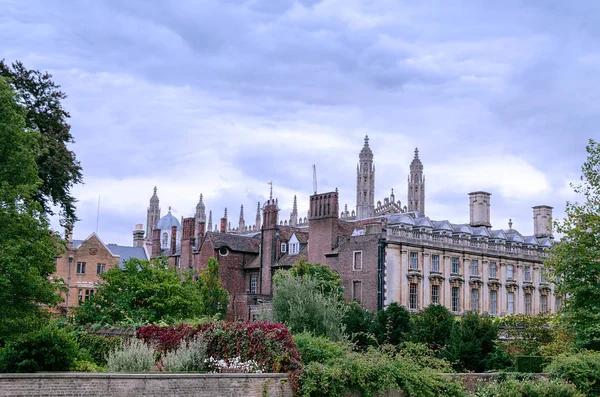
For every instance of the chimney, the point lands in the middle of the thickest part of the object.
(322, 225)
(223, 225)
(479, 203)
(542, 221)
(173, 239)
(201, 230)
(138, 236)
(187, 243)
(155, 243)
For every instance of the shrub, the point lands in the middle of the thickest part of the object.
(392, 325)
(530, 364)
(50, 349)
(188, 358)
(99, 346)
(318, 348)
(581, 369)
(357, 322)
(423, 356)
(431, 326)
(85, 366)
(136, 356)
(531, 388)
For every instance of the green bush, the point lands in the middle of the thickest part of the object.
(85, 366)
(581, 369)
(50, 349)
(432, 325)
(99, 346)
(318, 348)
(188, 358)
(136, 356)
(530, 364)
(392, 325)
(423, 356)
(357, 322)
(530, 388)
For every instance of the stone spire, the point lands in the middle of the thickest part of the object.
(416, 185)
(365, 183)
(257, 222)
(242, 222)
(294, 214)
(153, 214)
(210, 224)
(200, 216)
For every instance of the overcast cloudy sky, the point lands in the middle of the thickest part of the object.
(219, 97)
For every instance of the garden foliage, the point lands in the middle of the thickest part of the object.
(581, 369)
(189, 357)
(512, 387)
(135, 356)
(99, 346)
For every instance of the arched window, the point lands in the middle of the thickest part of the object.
(165, 239)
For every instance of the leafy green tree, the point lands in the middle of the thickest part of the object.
(358, 322)
(575, 258)
(215, 298)
(472, 339)
(432, 325)
(27, 246)
(329, 280)
(392, 325)
(301, 304)
(142, 292)
(45, 118)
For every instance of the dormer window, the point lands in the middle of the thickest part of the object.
(294, 248)
(283, 248)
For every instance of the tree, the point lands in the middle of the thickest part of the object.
(357, 322)
(575, 259)
(301, 304)
(431, 326)
(45, 117)
(329, 280)
(142, 292)
(27, 246)
(215, 298)
(392, 325)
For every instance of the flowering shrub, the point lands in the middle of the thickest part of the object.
(250, 366)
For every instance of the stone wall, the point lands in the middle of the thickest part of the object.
(153, 385)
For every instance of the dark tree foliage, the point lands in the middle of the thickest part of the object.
(392, 325)
(57, 166)
(358, 321)
(432, 326)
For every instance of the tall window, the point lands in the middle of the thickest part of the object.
(527, 273)
(510, 272)
(88, 293)
(558, 303)
(475, 300)
(283, 248)
(527, 303)
(474, 267)
(435, 263)
(493, 269)
(294, 248)
(412, 298)
(435, 294)
(100, 268)
(511, 303)
(413, 260)
(455, 269)
(357, 290)
(542, 275)
(253, 283)
(493, 302)
(357, 260)
(80, 267)
(80, 296)
(455, 292)
(544, 303)
(165, 239)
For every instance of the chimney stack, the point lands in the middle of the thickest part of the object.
(201, 230)
(173, 239)
(542, 221)
(479, 203)
(155, 243)
(223, 225)
(138, 236)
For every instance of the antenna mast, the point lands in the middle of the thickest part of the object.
(315, 178)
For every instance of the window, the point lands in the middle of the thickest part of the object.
(294, 248)
(357, 290)
(455, 292)
(253, 283)
(493, 302)
(88, 293)
(528, 273)
(413, 260)
(511, 303)
(475, 300)
(357, 260)
(100, 268)
(80, 267)
(80, 296)
(455, 266)
(544, 303)
(493, 270)
(435, 263)
(412, 298)
(558, 303)
(474, 267)
(165, 240)
(435, 294)
(527, 303)
(542, 275)
(283, 248)
(510, 272)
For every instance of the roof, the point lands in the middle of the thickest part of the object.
(127, 253)
(289, 260)
(235, 242)
(167, 222)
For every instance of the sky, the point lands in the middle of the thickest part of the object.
(220, 97)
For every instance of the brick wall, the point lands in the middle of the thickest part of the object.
(153, 385)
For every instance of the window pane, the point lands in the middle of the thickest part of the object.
(358, 260)
(510, 272)
(511, 303)
(357, 291)
(413, 303)
(493, 301)
(435, 294)
(475, 300)
(413, 260)
(493, 269)
(435, 263)
(474, 267)
(455, 292)
(527, 303)
(455, 266)
(527, 273)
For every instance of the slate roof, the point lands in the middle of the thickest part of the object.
(125, 252)
(235, 242)
(289, 260)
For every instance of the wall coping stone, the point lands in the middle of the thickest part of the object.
(157, 375)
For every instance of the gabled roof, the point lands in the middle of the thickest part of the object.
(498, 234)
(513, 235)
(127, 253)
(423, 222)
(442, 225)
(462, 228)
(480, 231)
(396, 219)
(530, 240)
(235, 242)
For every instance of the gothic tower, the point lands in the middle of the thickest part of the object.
(294, 214)
(242, 222)
(416, 185)
(200, 216)
(153, 215)
(257, 222)
(210, 224)
(365, 183)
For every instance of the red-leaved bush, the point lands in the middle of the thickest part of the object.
(268, 344)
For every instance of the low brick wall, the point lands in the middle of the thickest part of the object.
(155, 385)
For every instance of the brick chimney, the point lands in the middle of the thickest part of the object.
(269, 244)
(187, 243)
(201, 230)
(322, 225)
(155, 243)
(138, 236)
(479, 205)
(173, 240)
(542, 221)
